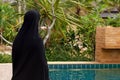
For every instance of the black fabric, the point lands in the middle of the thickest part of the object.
(28, 53)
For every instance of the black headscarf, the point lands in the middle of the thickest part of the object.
(28, 53)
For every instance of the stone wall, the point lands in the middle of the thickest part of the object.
(107, 45)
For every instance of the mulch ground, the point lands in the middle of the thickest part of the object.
(4, 49)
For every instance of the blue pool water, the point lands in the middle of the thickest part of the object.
(78, 74)
(86, 72)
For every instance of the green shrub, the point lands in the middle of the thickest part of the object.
(8, 21)
(5, 58)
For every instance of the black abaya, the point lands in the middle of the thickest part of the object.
(28, 53)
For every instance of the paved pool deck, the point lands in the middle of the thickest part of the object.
(5, 71)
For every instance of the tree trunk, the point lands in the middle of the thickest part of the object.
(24, 6)
(20, 10)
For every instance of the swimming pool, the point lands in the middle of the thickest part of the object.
(84, 71)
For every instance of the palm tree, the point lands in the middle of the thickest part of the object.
(52, 16)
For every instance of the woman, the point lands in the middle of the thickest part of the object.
(28, 54)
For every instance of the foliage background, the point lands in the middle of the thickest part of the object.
(73, 34)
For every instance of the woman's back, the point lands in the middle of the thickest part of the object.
(28, 54)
